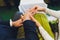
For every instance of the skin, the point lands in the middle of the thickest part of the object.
(26, 16)
(30, 13)
(17, 23)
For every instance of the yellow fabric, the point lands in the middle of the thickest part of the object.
(42, 19)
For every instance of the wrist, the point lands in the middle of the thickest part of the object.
(44, 9)
(13, 23)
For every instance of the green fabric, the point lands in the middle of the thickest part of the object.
(42, 19)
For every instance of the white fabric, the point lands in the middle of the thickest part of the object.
(10, 22)
(51, 18)
(59, 30)
(26, 4)
(58, 38)
(53, 13)
(44, 34)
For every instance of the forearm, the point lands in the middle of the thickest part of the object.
(45, 34)
(53, 13)
(30, 30)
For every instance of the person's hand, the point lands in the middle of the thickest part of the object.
(38, 8)
(18, 23)
(32, 10)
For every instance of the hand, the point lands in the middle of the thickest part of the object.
(32, 10)
(29, 12)
(38, 8)
(18, 23)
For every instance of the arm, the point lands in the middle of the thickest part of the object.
(49, 11)
(53, 13)
(12, 23)
(30, 30)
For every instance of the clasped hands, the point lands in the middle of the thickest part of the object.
(28, 15)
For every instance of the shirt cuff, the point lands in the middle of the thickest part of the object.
(11, 22)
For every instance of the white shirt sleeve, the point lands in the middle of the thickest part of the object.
(53, 12)
(44, 34)
(10, 22)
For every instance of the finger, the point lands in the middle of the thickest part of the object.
(27, 11)
(20, 24)
(31, 10)
(22, 17)
(35, 7)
